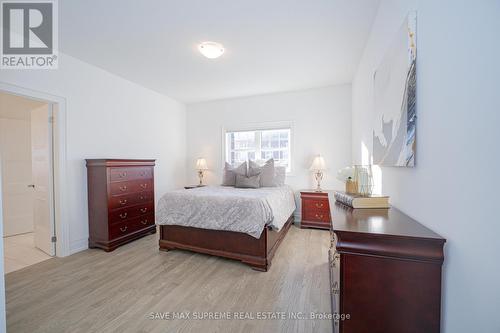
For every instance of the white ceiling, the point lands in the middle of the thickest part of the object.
(271, 45)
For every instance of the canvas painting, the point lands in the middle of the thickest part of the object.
(394, 141)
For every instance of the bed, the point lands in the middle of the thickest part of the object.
(241, 224)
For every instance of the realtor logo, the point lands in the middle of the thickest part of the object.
(29, 34)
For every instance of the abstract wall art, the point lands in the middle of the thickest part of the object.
(394, 131)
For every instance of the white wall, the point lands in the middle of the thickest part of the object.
(109, 117)
(454, 187)
(321, 125)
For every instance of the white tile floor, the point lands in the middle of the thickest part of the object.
(20, 252)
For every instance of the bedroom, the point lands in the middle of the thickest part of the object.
(295, 81)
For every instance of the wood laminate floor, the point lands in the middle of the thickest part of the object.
(121, 291)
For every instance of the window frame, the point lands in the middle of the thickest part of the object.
(263, 126)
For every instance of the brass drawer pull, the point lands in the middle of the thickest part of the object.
(145, 222)
(123, 202)
(123, 188)
(123, 229)
(143, 210)
(319, 216)
(141, 197)
(319, 205)
(123, 174)
(124, 215)
(143, 174)
(144, 185)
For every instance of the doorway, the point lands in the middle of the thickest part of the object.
(26, 151)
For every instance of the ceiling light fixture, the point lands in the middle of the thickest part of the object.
(211, 50)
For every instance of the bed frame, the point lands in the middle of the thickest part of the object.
(257, 253)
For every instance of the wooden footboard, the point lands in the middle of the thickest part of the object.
(257, 253)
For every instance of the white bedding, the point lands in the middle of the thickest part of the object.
(227, 208)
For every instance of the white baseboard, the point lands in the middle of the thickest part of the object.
(297, 216)
(78, 246)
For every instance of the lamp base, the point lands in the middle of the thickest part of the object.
(319, 176)
(200, 175)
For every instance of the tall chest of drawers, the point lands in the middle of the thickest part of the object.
(385, 272)
(121, 201)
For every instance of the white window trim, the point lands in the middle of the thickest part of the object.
(261, 126)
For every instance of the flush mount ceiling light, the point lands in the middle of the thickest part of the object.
(211, 50)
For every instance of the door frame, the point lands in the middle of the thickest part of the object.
(59, 161)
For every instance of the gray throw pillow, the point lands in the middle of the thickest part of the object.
(267, 172)
(229, 174)
(247, 182)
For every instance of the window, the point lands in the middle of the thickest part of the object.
(259, 145)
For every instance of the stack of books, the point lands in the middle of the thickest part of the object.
(362, 201)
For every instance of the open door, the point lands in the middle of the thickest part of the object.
(15, 149)
(41, 162)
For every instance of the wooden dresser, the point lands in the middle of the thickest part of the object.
(315, 210)
(121, 201)
(385, 272)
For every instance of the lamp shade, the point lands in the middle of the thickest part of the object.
(318, 163)
(201, 164)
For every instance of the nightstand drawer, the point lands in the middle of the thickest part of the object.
(316, 205)
(317, 216)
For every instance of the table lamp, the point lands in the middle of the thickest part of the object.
(318, 166)
(201, 166)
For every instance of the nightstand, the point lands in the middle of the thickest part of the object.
(193, 186)
(315, 210)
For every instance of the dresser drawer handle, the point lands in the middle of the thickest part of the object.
(144, 185)
(141, 197)
(143, 210)
(319, 216)
(123, 188)
(319, 205)
(124, 215)
(123, 202)
(123, 229)
(145, 222)
(123, 174)
(143, 174)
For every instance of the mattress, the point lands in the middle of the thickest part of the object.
(227, 208)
